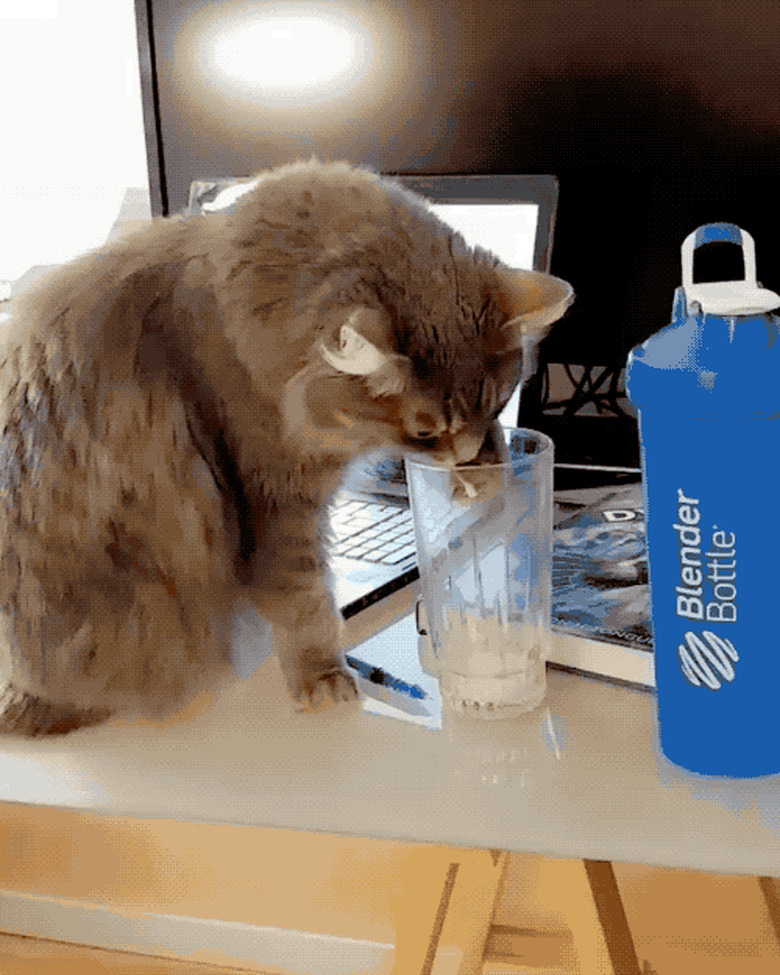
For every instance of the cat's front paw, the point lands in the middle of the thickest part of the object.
(317, 691)
(29, 716)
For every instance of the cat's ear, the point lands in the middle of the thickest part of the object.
(532, 301)
(357, 355)
(354, 354)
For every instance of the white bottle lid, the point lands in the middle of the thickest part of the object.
(726, 298)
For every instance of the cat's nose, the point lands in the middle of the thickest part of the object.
(466, 447)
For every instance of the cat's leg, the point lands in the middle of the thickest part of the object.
(122, 637)
(32, 712)
(306, 627)
(314, 672)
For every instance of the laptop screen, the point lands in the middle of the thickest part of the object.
(513, 216)
(506, 229)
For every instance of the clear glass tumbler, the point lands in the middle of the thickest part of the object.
(484, 545)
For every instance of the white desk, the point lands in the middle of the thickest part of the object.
(581, 777)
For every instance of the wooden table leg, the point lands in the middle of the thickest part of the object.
(443, 917)
(770, 888)
(612, 917)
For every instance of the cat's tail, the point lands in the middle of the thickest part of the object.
(29, 716)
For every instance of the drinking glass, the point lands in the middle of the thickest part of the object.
(484, 546)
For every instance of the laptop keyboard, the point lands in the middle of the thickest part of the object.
(371, 531)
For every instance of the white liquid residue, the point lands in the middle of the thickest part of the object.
(492, 667)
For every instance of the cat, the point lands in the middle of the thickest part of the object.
(177, 407)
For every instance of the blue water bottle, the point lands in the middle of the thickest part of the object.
(707, 392)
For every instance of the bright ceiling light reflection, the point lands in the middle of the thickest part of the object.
(283, 58)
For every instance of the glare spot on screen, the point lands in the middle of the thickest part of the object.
(288, 59)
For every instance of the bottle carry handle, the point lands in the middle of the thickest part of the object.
(711, 233)
(726, 298)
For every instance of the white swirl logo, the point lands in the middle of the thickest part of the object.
(706, 659)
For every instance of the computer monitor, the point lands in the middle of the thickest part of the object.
(646, 140)
(221, 101)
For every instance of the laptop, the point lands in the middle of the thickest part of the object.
(370, 546)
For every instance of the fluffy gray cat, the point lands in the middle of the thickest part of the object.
(178, 406)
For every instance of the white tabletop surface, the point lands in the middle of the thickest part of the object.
(579, 777)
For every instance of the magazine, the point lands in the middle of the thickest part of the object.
(600, 589)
